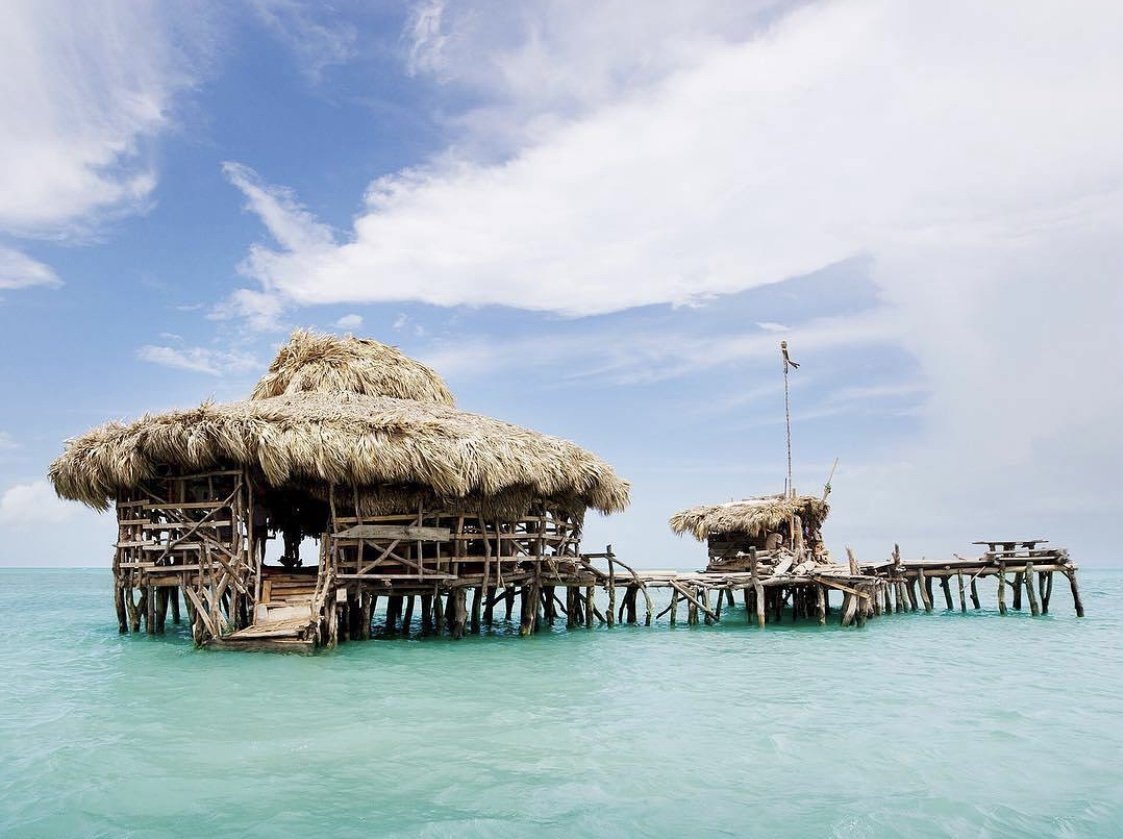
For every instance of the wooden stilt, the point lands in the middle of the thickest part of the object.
(407, 618)
(119, 605)
(674, 607)
(630, 602)
(509, 602)
(528, 610)
(477, 596)
(821, 604)
(460, 611)
(489, 606)
(173, 594)
(1031, 595)
(962, 591)
(703, 594)
(911, 589)
(590, 606)
(925, 589)
(1002, 588)
(1019, 578)
(1071, 574)
(132, 609)
(438, 613)
(161, 609)
(570, 607)
(365, 608)
(975, 594)
(947, 592)
(1048, 595)
(426, 615)
(148, 607)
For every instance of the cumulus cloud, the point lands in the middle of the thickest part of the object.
(349, 322)
(32, 503)
(970, 153)
(198, 359)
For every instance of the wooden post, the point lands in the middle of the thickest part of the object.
(630, 602)
(570, 607)
(925, 589)
(899, 592)
(1047, 596)
(460, 611)
(438, 612)
(703, 594)
(119, 603)
(962, 591)
(590, 606)
(674, 607)
(691, 612)
(1019, 578)
(426, 614)
(758, 588)
(489, 606)
(1002, 588)
(1034, 609)
(821, 604)
(173, 594)
(849, 608)
(477, 595)
(947, 592)
(161, 609)
(148, 606)
(911, 589)
(526, 616)
(1071, 574)
(975, 593)
(509, 602)
(407, 619)
(611, 586)
(367, 606)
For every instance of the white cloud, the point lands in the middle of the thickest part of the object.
(973, 153)
(349, 322)
(316, 39)
(770, 326)
(426, 40)
(198, 359)
(852, 127)
(85, 87)
(33, 503)
(18, 270)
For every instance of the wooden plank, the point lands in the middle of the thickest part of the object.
(403, 532)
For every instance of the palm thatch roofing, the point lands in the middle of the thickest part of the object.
(751, 516)
(316, 363)
(396, 451)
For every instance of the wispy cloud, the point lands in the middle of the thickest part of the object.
(18, 270)
(313, 32)
(198, 359)
(351, 321)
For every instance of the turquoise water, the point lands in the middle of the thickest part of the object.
(916, 725)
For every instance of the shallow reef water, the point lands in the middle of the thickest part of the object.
(915, 725)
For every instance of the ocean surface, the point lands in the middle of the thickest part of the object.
(915, 725)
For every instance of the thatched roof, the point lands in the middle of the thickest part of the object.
(393, 447)
(752, 516)
(315, 363)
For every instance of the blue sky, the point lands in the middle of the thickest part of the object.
(597, 220)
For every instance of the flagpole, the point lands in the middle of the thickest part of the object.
(788, 493)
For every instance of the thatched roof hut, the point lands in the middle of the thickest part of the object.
(752, 517)
(349, 412)
(317, 363)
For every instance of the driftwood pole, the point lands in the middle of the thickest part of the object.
(788, 489)
(1034, 609)
(925, 589)
(1002, 588)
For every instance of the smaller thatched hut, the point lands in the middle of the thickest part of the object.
(347, 441)
(764, 523)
